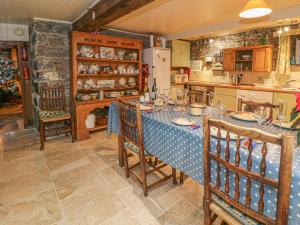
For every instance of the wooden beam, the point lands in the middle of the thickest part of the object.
(107, 11)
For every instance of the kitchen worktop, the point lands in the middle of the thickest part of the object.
(241, 87)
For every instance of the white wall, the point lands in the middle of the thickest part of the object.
(7, 32)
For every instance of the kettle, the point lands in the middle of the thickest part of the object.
(237, 78)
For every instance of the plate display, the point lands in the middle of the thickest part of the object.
(86, 51)
(285, 125)
(245, 116)
(182, 121)
(144, 107)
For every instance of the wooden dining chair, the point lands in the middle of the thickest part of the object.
(53, 110)
(218, 202)
(251, 106)
(132, 142)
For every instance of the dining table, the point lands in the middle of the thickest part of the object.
(181, 147)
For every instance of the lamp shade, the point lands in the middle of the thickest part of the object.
(255, 8)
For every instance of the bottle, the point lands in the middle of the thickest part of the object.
(146, 91)
(153, 92)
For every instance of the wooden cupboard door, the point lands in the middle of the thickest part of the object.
(185, 54)
(262, 60)
(229, 60)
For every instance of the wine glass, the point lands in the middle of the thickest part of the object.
(281, 112)
(222, 109)
(259, 116)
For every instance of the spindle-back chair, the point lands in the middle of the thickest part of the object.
(53, 109)
(132, 142)
(217, 197)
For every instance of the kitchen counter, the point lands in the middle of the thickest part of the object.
(241, 87)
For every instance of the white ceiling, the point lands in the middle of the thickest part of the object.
(191, 18)
(22, 11)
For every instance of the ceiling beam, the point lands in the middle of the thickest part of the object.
(107, 11)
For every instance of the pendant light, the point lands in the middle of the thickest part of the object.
(255, 8)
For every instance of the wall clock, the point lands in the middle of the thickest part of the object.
(19, 31)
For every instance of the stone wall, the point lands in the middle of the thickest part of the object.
(49, 56)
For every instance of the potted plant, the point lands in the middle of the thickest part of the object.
(101, 116)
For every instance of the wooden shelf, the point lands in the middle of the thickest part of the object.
(106, 75)
(107, 60)
(107, 89)
(244, 60)
(98, 128)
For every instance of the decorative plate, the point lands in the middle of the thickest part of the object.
(122, 82)
(183, 121)
(245, 116)
(86, 51)
(107, 53)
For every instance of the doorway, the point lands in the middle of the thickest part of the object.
(15, 87)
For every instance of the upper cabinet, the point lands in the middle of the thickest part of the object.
(252, 58)
(262, 59)
(180, 53)
(229, 60)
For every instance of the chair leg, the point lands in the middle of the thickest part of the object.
(181, 177)
(143, 175)
(125, 161)
(174, 176)
(42, 134)
(72, 130)
(120, 152)
(155, 161)
(207, 212)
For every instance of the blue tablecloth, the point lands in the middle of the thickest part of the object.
(182, 148)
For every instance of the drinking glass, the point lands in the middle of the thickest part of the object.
(259, 116)
(281, 112)
(222, 109)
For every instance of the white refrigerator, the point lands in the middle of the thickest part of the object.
(159, 61)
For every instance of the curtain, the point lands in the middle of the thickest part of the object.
(284, 53)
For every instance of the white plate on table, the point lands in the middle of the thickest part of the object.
(144, 107)
(214, 133)
(244, 116)
(285, 125)
(182, 121)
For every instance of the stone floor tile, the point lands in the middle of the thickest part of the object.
(22, 166)
(92, 206)
(97, 161)
(22, 152)
(24, 187)
(78, 179)
(64, 162)
(182, 213)
(114, 178)
(144, 209)
(59, 148)
(42, 209)
(123, 218)
(192, 192)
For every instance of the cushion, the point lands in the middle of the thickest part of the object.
(235, 213)
(134, 148)
(52, 114)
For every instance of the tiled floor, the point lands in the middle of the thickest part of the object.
(82, 184)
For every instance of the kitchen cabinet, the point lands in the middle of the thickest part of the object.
(180, 53)
(250, 58)
(226, 96)
(262, 60)
(229, 60)
(291, 102)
